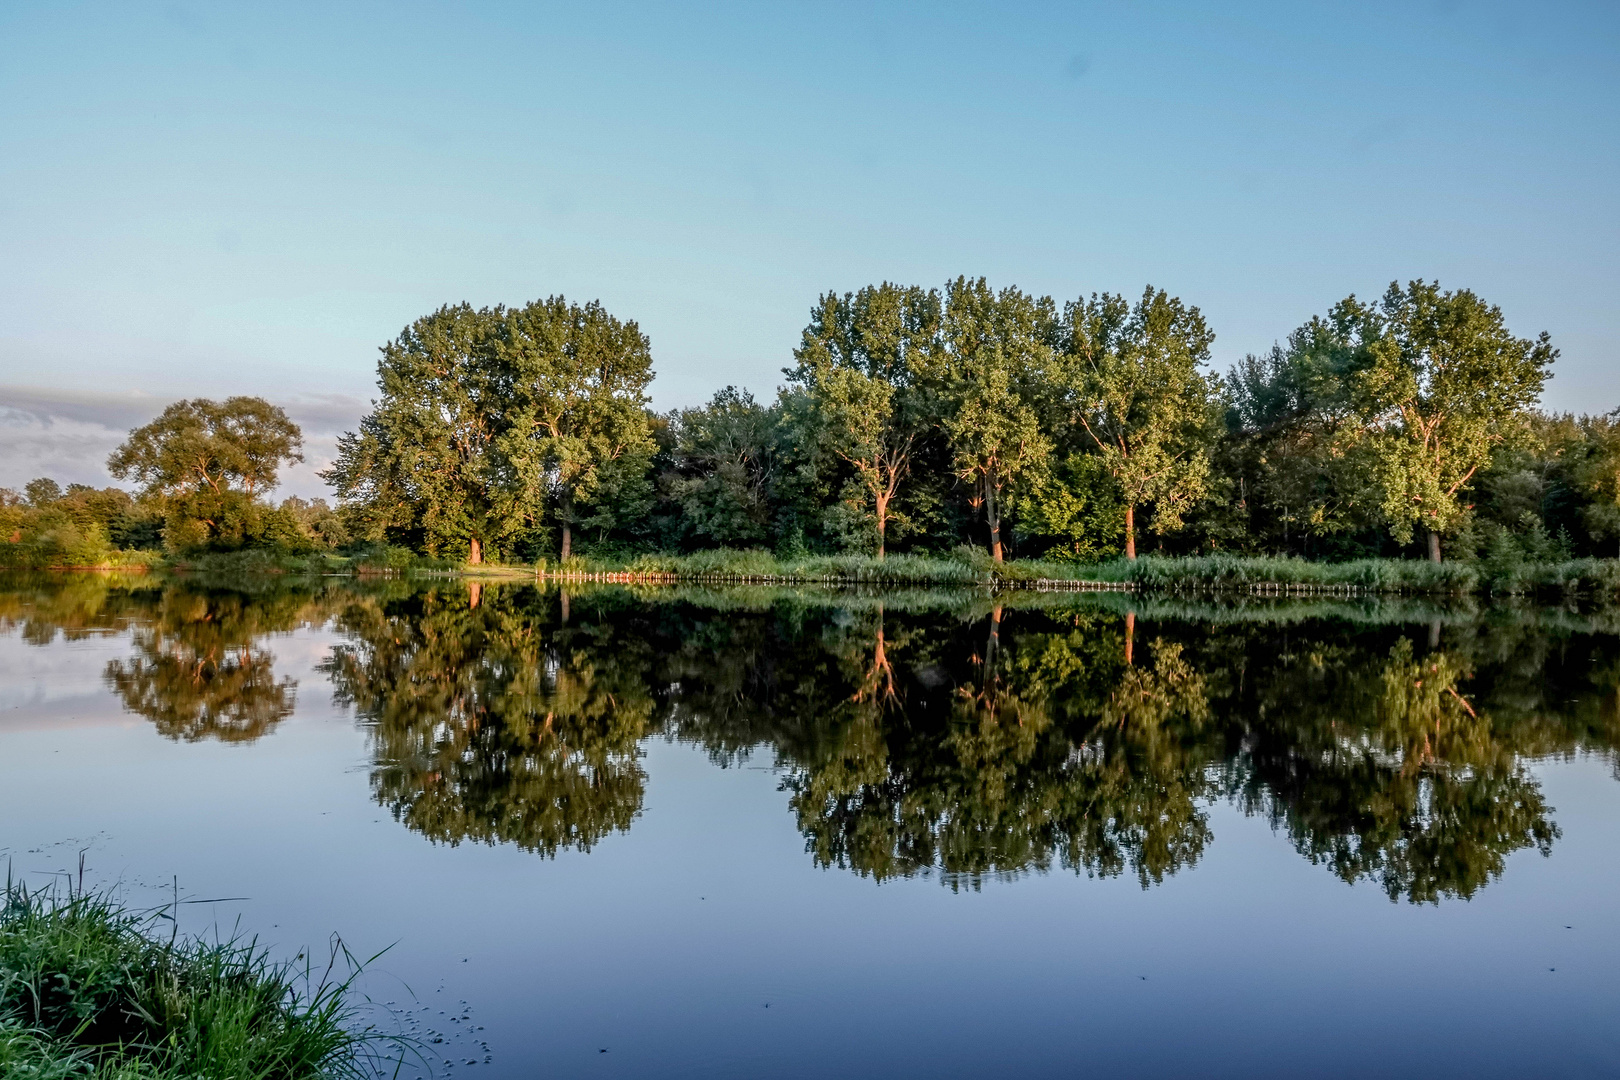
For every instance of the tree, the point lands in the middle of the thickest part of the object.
(1444, 383)
(1290, 451)
(207, 462)
(201, 445)
(864, 358)
(1598, 474)
(42, 491)
(1133, 381)
(572, 384)
(998, 348)
(724, 465)
(421, 461)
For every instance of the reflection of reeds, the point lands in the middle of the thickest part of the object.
(89, 986)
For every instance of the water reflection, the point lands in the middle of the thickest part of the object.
(490, 722)
(965, 736)
(202, 666)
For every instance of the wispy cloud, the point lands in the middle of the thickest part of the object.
(67, 434)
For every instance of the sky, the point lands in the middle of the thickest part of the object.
(214, 199)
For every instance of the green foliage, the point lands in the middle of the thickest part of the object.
(868, 362)
(1074, 506)
(1131, 379)
(1596, 475)
(918, 419)
(1445, 382)
(914, 420)
(998, 347)
(79, 528)
(42, 492)
(572, 427)
(206, 464)
(723, 469)
(494, 421)
(421, 467)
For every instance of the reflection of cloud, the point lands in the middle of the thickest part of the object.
(68, 434)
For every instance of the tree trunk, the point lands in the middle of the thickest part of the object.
(992, 517)
(475, 551)
(567, 516)
(1434, 546)
(1130, 532)
(1130, 635)
(882, 522)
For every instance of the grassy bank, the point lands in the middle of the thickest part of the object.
(966, 567)
(90, 990)
(1217, 573)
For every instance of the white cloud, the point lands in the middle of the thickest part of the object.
(69, 434)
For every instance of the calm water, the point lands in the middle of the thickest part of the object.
(799, 834)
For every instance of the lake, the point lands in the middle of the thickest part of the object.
(623, 832)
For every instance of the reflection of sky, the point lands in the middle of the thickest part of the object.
(664, 944)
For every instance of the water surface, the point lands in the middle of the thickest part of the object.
(804, 833)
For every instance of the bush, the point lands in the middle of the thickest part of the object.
(52, 540)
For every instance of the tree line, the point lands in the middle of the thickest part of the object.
(923, 419)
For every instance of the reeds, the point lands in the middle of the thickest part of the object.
(89, 989)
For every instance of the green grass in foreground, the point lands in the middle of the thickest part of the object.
(89, 991)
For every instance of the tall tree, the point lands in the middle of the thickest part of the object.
(207, 461)
(865, 359)
(201, 445)
(422, 459)
(998, 345)
(1445, 382)
(573, 383)
(1133, 380)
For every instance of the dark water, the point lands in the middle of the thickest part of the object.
(772, 833)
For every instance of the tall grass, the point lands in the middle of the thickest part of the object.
(968, 566)
(89, 989)
(1246, 571)
(755, 564)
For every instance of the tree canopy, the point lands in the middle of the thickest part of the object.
(207, 464)
(913, 419)
(495, 423)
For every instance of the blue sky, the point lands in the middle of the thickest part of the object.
(212, 199)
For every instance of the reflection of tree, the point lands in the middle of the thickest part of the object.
(1389, 773)
(201, 669)
(994, 783)
(909, 739)
(490, 724)
(77, 606)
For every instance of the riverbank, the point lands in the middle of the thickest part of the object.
(90, 989)
(1210, 573)
(1246, 574)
